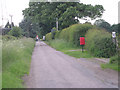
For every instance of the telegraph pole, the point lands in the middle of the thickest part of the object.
(57, 24)
(11, 20)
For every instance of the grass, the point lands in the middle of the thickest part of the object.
(78, 54)
(0, 80)
(65, 46)
(110, 66)
(60, 45)
(16, 58)
(113, 63)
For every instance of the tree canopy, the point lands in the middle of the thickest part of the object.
(105, 25)
(46, 13)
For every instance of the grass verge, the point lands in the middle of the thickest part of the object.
(65, 47)
(113, 64)
(16, 58)
(78, 54)
(110, 66)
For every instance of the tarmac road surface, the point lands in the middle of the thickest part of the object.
(54, 69)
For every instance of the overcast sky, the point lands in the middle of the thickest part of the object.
(15, 7)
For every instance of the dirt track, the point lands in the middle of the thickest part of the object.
(53, 69)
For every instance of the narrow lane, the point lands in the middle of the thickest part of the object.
(53, 69)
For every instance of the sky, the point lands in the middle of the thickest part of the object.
(15, 7)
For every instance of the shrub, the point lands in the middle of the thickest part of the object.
(48, 36)
(8, 37)
(16, 31)
(57, 34)
(74, 32)
(64, 34)
(99, 43)
(114, 59)
(61, 44)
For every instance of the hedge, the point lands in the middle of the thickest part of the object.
(99, 43)
(74, 32)
(48, 37)
(8, 37)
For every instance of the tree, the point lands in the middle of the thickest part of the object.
(103, 24)
(29, 28)
(16, 31)
(45, 13)
(116, 28)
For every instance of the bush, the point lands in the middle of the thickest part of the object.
(74, 32)
(8, 37)
(48, 36)
(60, 44)
(16, 31)
(99, 43)
(57, 34)
(114, 59)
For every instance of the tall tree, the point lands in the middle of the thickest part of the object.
(116, 28)
(103, 24)
(46, 13)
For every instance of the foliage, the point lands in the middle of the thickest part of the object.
(16, 57)
(114, 59)
(103, 25)
(30, 29)
(78, 54)
(46, 13)
(61, 44)
(8, 37)
(99, 43)
(64, 46)
(74, 32)
(111, 66)
(116, 28)
(16, 31)
(48, 36)
(57, 34)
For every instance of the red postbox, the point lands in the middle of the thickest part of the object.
(82, 41)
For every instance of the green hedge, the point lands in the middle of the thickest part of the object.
(74, 32)
(48, 37)
(99, 43)
(16, 32)
(8, 37)
(57, 34)
(71, 34)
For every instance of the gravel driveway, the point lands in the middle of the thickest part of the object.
(54, 69)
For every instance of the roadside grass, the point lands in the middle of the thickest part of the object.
(78, 54)
(0, 80)
(16, 58)
(60, 45)
(71, 50)
(64, 46)
(113, 63)
(110, 66)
